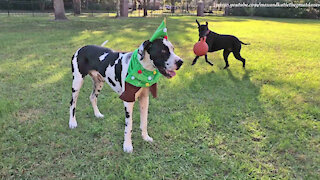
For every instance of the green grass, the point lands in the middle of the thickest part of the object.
(208, 123)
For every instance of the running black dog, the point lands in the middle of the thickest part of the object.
(217, 42)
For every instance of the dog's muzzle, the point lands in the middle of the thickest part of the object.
(179, 64)
(171, 73)
(204, 34)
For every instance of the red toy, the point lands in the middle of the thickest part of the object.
(201, 47)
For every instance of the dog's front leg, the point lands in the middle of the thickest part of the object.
(206, 57)
(144, 105)
(127, 144)
(195, 60)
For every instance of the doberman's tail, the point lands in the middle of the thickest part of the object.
(244, 43)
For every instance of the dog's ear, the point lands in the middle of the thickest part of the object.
(198, 22)
(206, 23)
(144, 47)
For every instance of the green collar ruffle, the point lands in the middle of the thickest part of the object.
(139, 76)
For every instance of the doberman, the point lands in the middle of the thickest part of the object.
(217, 42)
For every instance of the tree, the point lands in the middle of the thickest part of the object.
(59, 12)
(77, 6)
(145, 7)
(173, 2)
(124, 8)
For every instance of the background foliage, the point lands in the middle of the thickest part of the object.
(185, 5)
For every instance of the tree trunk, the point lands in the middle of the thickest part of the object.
(59, 12)
(145, 8)
(87, 4)
(42, 5)
(118, 8)
(77, 6)
(173, 6)
(134, 6)
(124, 8)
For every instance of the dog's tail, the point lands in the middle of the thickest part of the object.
(104, 43)
(244, 43)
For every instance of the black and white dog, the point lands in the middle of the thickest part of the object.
(104, 64)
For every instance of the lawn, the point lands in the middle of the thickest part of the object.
(261, 122)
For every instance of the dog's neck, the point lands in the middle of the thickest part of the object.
(146, 62)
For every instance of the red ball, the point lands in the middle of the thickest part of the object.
(201, 48)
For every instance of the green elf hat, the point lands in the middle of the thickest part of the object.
(161, 32)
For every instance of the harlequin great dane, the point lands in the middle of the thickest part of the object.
(106, 65)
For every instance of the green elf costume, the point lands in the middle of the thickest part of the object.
(139, 77)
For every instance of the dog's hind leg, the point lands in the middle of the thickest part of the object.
(206, 57)
(127, 144)
(225, 56)
(195, 60)
(97, 86)
(238, 56)
(144, 105)
(76, 85)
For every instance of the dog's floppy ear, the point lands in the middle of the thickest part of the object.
(206, 23)
(144, 47)
(198, 22)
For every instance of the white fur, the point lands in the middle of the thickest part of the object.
(144, 105)
(76, 85)
(173, 58)
(103, 56)
(127, 144)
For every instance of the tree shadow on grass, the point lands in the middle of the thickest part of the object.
(222, 112)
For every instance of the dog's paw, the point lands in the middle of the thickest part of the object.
(99, 115)
(127, 147)
(73, 124)
(147, 138)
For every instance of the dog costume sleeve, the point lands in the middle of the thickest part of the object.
(138, 76)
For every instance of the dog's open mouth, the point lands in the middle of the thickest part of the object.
(167, 73)
(170, 74)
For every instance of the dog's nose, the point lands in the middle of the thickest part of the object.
(179, 64)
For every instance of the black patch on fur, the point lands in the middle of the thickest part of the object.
(73, 111)
(127, 113)
(72, 64)
(71, 102)
(126, 124)
(73, 90)
(88, 59)
(159, 53)
(99, 90)
(97, 95)
(125, 132)
(72, 77)
(118, 70)
(111, 82)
